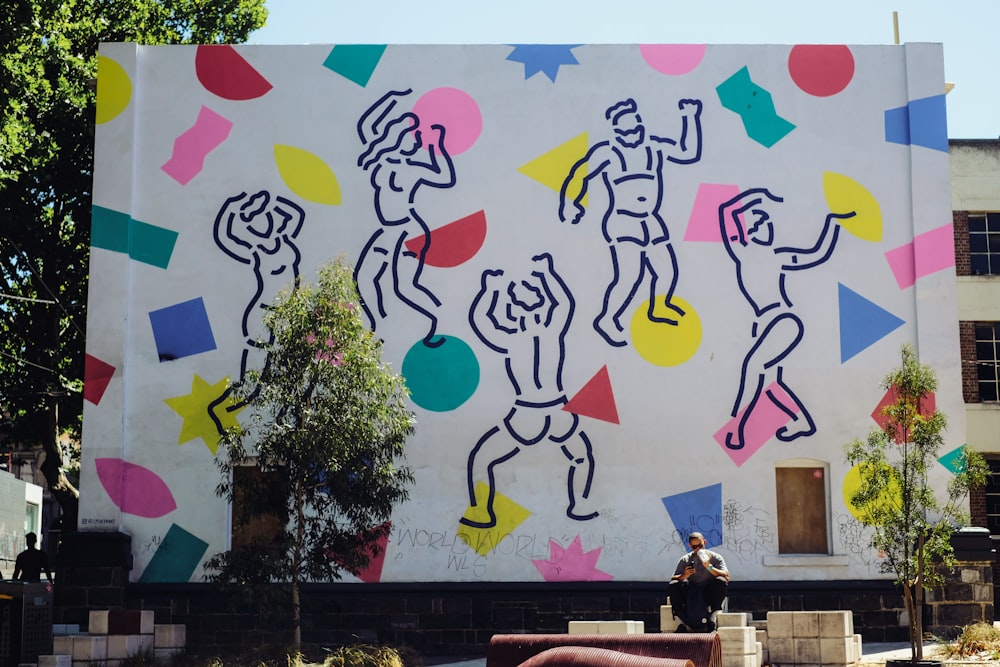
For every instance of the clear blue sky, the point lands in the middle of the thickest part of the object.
(967, 28)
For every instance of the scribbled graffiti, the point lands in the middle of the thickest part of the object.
(748, 530)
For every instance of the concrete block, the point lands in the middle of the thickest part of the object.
(98, 624)
(835, 623)
(667, 621)
(805, 624)
(761, 637)
(124, 622)
(583, 627)
(807, 650)
(169, 636)
(55, 661)
(857, 648)
(621, 627)
(731, 619)
(62, 645)
(759, 652)
(760, 625)
(90, 647)
(163, 656)
(739, 661)
(970, 576)
(738, 641)
(836, 650)
(781, 649)
(779, 624)
(146, 622)
(123, 646)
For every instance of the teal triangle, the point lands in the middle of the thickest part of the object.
(697, 510)
(953, 460)
(862, 323)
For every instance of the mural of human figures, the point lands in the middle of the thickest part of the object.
(748, 231)
(397, 170)
(631, 168)
(526, 320)
(258, 230)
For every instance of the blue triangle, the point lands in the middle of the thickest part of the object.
(862, 323)
(698, 510)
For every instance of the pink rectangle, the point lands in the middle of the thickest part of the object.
(929, 253)
(767, 418)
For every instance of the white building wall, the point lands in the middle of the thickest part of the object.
(839, 154)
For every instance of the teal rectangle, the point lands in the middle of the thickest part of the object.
(176, 558)
(151, 244)
(109, 229)
(143, 242)
(355, 62)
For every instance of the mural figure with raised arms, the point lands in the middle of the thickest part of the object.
(748, 231)
(397, 171)
(631, 169)
(526, 320)
(258, 230)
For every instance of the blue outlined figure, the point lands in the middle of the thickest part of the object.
(397, 170)
(258, 230)
(631, 168)
(761, 268)
(526, 320)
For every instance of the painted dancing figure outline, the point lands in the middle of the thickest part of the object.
(526, 320)
(631, 168)
(748, 231)
(396, 172)
(254, 230)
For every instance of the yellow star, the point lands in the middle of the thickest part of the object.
(197, 413)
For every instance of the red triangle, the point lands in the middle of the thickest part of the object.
(596, 399)
(96, 376)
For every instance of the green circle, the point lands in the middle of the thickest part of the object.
(441, 378)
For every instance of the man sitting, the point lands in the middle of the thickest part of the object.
(699, 586)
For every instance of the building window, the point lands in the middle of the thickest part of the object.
(802, 489)
(987, 356)
(984, 243)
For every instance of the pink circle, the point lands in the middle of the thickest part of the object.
(672, 59)
(456, 111)
(821, 69)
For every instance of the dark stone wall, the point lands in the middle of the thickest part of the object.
(459, 618)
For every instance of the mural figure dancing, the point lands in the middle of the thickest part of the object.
(258, 230)
(761, 268)
(631, 168)
(526, 320)
(397, 171)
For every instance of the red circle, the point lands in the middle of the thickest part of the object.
(821, 69)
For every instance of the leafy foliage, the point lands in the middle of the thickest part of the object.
(327, 428)
(48, 65)
(911, 526)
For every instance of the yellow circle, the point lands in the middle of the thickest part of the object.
(663, 343)
(852, 484)
(114, 89)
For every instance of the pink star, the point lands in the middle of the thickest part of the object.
(571, 564)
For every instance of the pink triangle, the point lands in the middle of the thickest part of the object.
(372, 573)
(703, 225)
(596, 399)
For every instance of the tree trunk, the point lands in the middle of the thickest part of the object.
(59, 485)
(296, 616)
(910, 604)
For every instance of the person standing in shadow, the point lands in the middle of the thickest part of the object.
(31, 562)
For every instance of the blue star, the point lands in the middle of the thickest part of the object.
(543, 58)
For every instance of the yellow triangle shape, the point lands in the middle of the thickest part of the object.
(551, 168)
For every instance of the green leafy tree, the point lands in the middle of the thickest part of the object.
(911, 526)
(48, 65)
(326, 431)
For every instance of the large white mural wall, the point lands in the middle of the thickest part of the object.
(625, 284)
